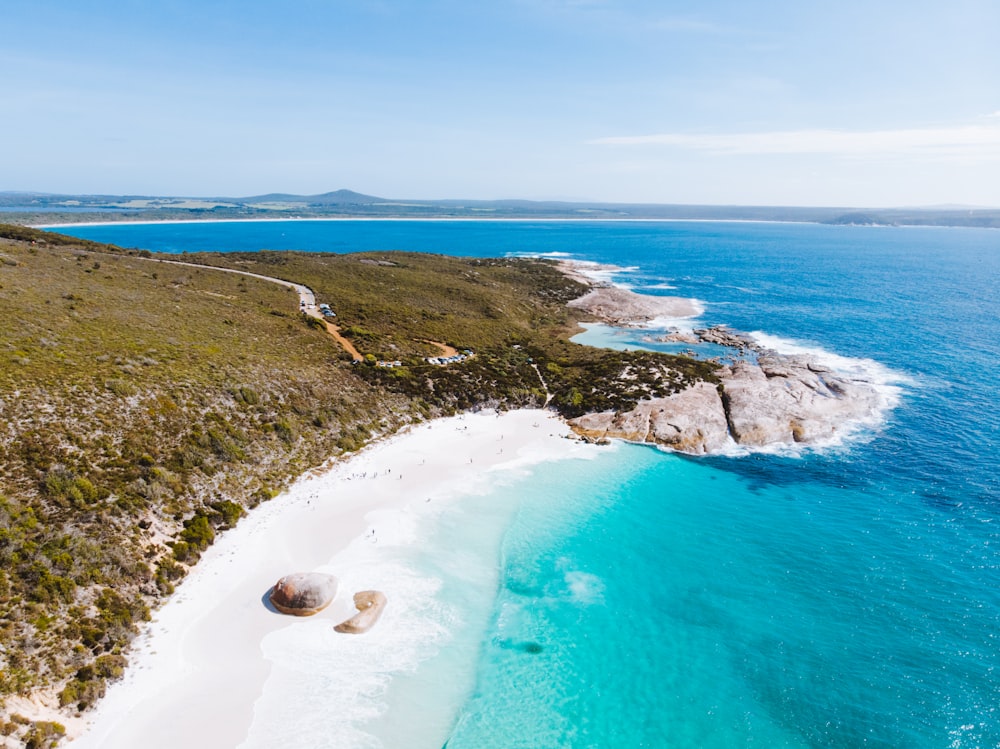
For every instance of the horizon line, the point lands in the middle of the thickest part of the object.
(377, 200)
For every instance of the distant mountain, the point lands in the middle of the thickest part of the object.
(44, 208)
(337, 197)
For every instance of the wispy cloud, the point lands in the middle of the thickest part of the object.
(956, 140)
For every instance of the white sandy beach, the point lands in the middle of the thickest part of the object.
(199, 674)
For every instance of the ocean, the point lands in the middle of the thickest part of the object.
(845, 596)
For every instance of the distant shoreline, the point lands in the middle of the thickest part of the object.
(438, 219)
(56, 210)
(497, 220)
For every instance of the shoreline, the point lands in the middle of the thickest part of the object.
(618, 305)
(201, 656)
(788, 398)
(499, 219)
(463, 219)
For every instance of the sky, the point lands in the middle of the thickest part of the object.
(773, 102)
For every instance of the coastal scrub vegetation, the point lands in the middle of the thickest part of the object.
(145, 406)
(511, 312)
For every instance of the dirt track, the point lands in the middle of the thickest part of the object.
(307, 300)
(334, 331)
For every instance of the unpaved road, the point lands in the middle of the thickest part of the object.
(307, 300)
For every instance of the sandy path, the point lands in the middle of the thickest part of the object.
(306, 296)
(334, 331)
(446, 350)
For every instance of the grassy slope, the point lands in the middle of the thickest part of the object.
(510, 311)
(134, 396)
(143, 406)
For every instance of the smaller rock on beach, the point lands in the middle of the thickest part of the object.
(370, 604)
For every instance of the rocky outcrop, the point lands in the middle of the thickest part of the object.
(691, 421)
(370, 604)
(762, 399)
(723, 336)
(678, 336)
(767, 400)
(303, 593)
(786, 399)
(626, 308)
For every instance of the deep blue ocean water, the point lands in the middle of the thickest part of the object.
(847, 597)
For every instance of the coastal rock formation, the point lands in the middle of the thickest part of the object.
(626, 308)
(771, 399)
(723, 336)
(370, 604)
(762, 398)
(785, 399)
(691, 421)
(678, 336)
(303, 593)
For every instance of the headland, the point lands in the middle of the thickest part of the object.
(760, 399)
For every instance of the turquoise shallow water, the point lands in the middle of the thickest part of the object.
(661, 601)
(843, 598)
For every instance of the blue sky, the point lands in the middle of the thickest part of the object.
(876, 103)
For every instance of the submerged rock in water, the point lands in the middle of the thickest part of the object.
(370, 604)
(303, 593)
(530, 647)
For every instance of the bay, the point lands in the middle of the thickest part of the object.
(844, 597)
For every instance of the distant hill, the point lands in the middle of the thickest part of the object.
(337, 197)
(42, 208)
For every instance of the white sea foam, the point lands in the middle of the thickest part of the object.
(597, 273)
(603, 273)
(857, 368)
(584, 587)
(555, 255)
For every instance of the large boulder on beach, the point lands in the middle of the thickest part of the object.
(370, 604)
(303, 593)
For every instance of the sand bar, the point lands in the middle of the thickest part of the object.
(197, 670)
